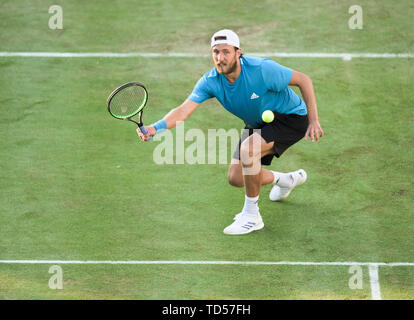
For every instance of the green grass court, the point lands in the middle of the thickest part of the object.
(75, 184)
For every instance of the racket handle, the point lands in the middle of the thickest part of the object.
(144, 131)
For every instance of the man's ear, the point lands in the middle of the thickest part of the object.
(238, 53)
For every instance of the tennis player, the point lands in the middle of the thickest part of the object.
(246, 87)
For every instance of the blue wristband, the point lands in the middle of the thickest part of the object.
(160, 126)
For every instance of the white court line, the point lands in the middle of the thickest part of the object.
(374, 281)
(345, 56)
(391, 264)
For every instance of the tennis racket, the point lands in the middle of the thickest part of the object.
(127, 101)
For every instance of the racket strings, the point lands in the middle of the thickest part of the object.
(127, 102)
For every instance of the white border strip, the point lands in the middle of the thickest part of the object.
(345, 56)
(374, 281)
(392, 264)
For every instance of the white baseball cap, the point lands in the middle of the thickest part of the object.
(225, 36)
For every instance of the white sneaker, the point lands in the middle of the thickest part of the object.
(279, 193)
(244, 224)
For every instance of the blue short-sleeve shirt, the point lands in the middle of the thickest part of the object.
(262, 85)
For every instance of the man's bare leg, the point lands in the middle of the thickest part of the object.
(251, 151)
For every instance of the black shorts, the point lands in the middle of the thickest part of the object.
(285, 130)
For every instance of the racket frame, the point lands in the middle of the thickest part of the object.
(139, 110)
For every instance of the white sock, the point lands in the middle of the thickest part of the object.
(284, 180)
(251, 205)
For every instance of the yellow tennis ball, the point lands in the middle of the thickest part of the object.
(268, 116)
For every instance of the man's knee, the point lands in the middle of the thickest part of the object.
(248, 153)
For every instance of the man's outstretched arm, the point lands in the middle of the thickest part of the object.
(171, 119)
(305, 85)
